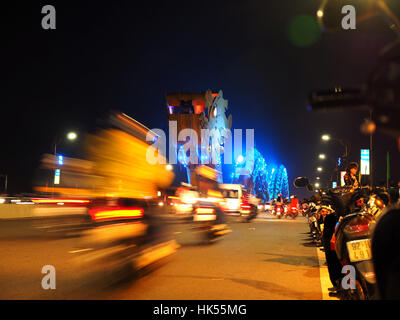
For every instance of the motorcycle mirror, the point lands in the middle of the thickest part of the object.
(301, 182)
(330, 14)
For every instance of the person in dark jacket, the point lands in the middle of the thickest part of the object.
(350, 178)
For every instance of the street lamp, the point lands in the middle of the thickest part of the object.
(317, 178)
(322, 156)
(319, 169)
(326, 137)
(71, 136)
(317, 185)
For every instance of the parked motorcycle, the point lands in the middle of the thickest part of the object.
(312, 218)
(357, 210)
(380, 93)
(304, 209)
(352, 241)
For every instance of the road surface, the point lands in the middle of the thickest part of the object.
(267, 259)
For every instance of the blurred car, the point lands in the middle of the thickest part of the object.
(232, 194)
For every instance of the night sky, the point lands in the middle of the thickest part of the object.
(127, 55)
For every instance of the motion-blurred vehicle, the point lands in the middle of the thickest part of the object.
(126, 239)
(238, 202)
(278, 210)
(292, 208)
(268, 207)
(232, 194)
(292, 212)
(122, 231)
(248, 207)
(208, 216)
(209, 221)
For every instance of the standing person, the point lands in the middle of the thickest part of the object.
(350, 178)
(279, 200)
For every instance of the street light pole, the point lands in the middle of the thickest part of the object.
(5, 181)
(70, 136)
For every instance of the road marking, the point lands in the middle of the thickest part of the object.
(80, 250)
(324, 276)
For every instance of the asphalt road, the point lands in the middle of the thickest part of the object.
(262, 260)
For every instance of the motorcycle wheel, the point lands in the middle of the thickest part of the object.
(355, 294)
(361, 294)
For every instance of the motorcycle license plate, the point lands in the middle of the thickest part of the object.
(359, 250)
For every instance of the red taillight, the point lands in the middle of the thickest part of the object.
(245, 206)
(358, 227)
(202, 210)
(360, 202)
(115, 213)
(278, 209)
